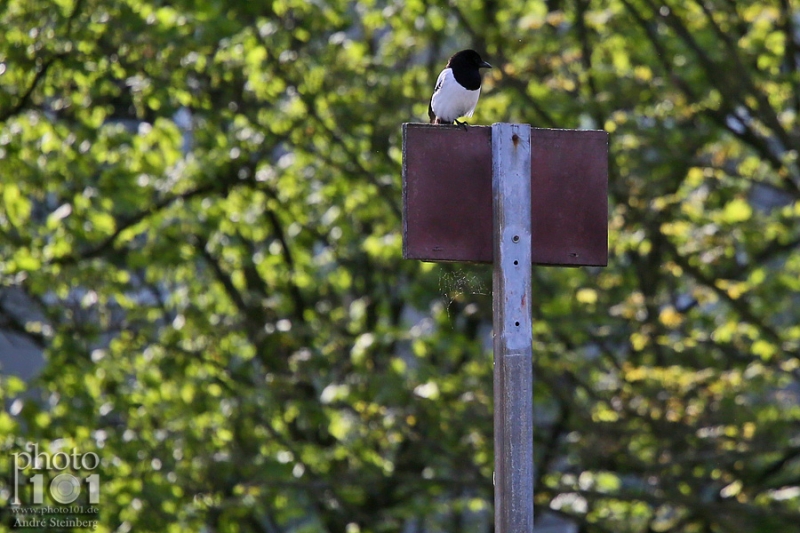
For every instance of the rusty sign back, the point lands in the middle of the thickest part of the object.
(447, 195)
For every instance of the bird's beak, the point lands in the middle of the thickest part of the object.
(484, 64)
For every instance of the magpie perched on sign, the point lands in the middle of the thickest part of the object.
(457, 88)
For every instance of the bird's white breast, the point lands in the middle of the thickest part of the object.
(450, 100)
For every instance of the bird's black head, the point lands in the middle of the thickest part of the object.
(468, 59)
(466, 66)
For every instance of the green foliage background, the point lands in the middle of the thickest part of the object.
(227, 319)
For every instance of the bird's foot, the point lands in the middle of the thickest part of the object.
(462, 124)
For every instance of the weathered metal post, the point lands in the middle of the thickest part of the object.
(513, 350)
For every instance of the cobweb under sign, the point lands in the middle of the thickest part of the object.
(455, 284)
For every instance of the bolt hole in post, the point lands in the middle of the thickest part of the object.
(516, 263)
(515, 238)
(516, 324)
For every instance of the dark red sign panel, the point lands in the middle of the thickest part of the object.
(447, 195)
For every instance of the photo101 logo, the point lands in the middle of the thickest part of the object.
(41, 477)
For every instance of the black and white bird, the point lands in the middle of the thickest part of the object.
(457, 88)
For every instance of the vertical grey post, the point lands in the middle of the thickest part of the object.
(513, 350)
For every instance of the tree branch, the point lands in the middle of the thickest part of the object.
(26, 96)
(124, 223)
(719, 116)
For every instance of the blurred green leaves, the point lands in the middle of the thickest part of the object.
(201, 213)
